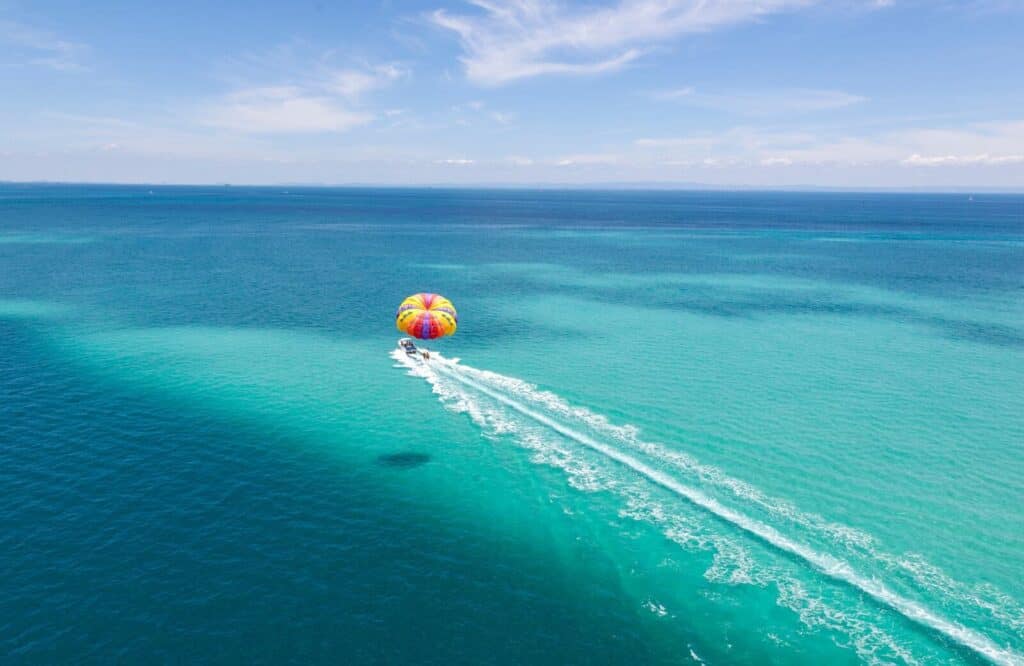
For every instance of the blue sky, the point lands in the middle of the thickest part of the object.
(850, 93)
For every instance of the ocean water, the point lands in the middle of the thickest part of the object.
(673, 428)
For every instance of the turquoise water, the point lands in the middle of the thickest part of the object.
(683, 428)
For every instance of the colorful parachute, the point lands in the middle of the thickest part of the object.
(426, 316)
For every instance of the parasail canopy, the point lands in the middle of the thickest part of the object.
(426, 316)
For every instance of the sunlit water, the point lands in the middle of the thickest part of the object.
(684, 427)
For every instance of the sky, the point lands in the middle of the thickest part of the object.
(733, 93)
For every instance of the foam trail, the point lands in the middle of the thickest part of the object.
(984, 599)
(830, 566)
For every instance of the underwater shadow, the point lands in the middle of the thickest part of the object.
(403, 459)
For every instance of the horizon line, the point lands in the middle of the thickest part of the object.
(664, 186)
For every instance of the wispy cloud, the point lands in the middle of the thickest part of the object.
(154, 137)
(736, 142)
(961, 160)
(763, 103)
(469, 112)
(974, 144)
(313, 98)
(282, 109)
(41, 47)
(505, 40)
(977, 144)
(353, 83)
(82, 119)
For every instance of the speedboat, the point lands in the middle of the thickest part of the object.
(411, 350)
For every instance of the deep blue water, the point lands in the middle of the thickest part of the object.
(687, 427)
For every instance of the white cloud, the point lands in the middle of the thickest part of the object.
(971, 144)
(459, 161)
(960, 160)
(282, 109)
(734, 142)
(763, 103)
(313, 98)
(721, 162)
(353, 83)
(41, 47)
(977, 144)
(88, 120)
(478, 109)
(676, 93)
(513, 39)
(162, 138)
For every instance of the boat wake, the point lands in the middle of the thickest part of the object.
(729, 517)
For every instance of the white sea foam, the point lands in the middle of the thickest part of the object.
(986, 599)
(517, 396)
(731, 563)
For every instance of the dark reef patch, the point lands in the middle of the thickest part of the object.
(999, 335)
(403, 459)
